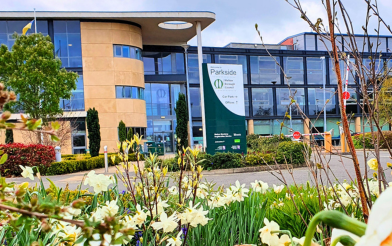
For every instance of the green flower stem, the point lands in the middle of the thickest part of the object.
(345, 240)
(285, 232)
(334, 219)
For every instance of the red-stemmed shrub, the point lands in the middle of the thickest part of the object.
(26, 155)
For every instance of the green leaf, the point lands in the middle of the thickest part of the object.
(3, 158)
(54, 138)
(37, 124)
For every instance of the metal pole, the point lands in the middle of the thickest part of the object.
(200, 60)
(188, 95)
(35, 22)
(325, 101)
(105, 151)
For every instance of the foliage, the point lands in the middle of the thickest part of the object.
(94, 133)
(385, 100)
(358, 140)
(35, 75)
(27, 155)
(257, 159)
(182, 117)
(130, 134)
(293, 152)
(250, 140)
(265, 144)
(122, 132)
(9, 136)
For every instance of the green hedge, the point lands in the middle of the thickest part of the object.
(71, 165)
(358, 140)
(292, 152)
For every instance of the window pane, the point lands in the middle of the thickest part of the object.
(294, 68)
(180, 66)
(149, 65)
(3, 27)
(79, 140)
(262, 102)
(234, 59)
(61, 45)
(117, 50)
(195, 102)
(316, 101)
(343, 71)
(134, 92)
(263, 127)
(125, 51)
(283, 100)
(74, 45)
(246, 99)
(193, 67)
(314, 68)
(119, 92)
(264, 70)
(60, 26)
(73, 26)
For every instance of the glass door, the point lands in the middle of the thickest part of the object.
(166, 138)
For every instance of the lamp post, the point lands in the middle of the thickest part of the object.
(186, 47)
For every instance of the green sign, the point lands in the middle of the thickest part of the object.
(224, 108)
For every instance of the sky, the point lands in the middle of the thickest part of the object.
(235, 19)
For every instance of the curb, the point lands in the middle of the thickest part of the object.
(248, 169)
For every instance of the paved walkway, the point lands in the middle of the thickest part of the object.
(341, 169)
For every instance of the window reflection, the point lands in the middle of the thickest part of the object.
(195, 102)
(294, 69)
(76, 102)
(283, 100)
(8, 29)
(264, 70)
(163, 63)
(246, 100)
(129, 92)
(127, 51)
(314, 66)
(343, 71)
(316, 101)
(161, 98)
(67, 43)
(193, 67)
(262, 102)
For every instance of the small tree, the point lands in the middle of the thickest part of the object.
(35, 75)
(94, 134)
(130, 134)
(122, 133)
(182, 121)
(9, 136)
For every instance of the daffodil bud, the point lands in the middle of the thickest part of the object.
(78, 203)
(164, 171)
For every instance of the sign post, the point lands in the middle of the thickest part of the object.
(297, 135)
(224, 108)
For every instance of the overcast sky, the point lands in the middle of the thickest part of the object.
(235, 19)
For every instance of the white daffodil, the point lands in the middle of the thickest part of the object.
(111, 208)
(173, 190)
(202, 191)
(27, 172)
(278, 188)
(379, 227)
(168, 224)
(284, 240)
(98, 182)
(200, 218)
(128, 222)
(175, 241)
(266, 234)
(189, 214)
(260, 186)
(70, 211)
(90, 176)
(140, 216)
(299, 241)
(160, 205)
(106, 240)
(338, 232)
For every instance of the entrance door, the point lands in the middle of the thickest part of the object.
(166, 138)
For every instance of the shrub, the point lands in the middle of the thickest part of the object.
(250, 140)
(292, 152)
(122, 133)
(259, 159)
(182, 117)
(94, 134)
(265, 144)
(26, 155)
(9, 136)
(224, 160)
(358, 140)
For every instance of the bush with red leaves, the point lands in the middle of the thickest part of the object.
(26, 155)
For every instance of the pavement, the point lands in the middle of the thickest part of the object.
(340, 168)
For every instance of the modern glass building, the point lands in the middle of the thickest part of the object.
(131, 67)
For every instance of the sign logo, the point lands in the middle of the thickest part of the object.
(218, 84)
(296, 135)
(346, 95)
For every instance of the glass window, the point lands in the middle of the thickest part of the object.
(163, 63)
(288, 128)
(79, 126)
(264, 70)
(129, 92)
(193, 67)
(283, 100)
(316, 101)
(195, 102)
(262, 102)
(263, 127)
(126, 51)
(67, 43)
(351, 104)
(362, 44)
(76, 102)
(79, 140)
(299, 42)
(246, 99)
(380, 46)
(234, 59)
(343, 70)
(370, 65)
(197, 130)
(310, 42)
(294, 69)
(314, 66)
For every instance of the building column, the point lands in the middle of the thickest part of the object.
(306, 130)
(358, 124)
(251, 128)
